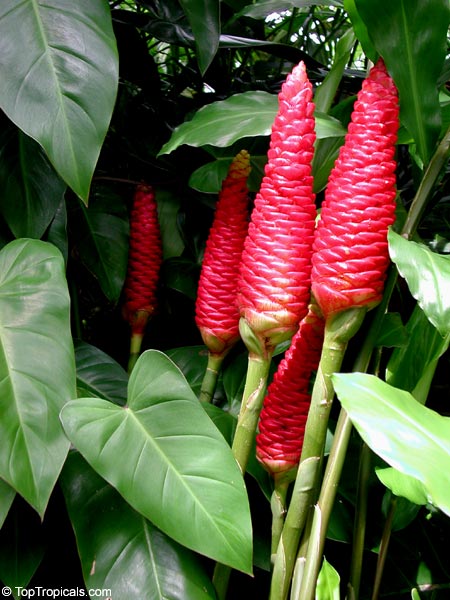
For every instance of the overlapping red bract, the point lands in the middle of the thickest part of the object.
(144, 259)
(285, 410)
(217, 315)
(350, 247)
(274, 285)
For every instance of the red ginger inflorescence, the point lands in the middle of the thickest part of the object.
(286, 405)
(216, 312)
(350, 248)
(144, 260)
(274, 284)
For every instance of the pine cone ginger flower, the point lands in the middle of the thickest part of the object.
(286, 405)
(144, 260)
(274, 285)
(350, 247)
(217, 315)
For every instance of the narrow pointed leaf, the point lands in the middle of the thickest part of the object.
(37, 367)
(408, 436)
(122, 551)
(428, 278)
(242, 115)
(328, 583)
(7, 495)
(204, 19)
(168, 460)
(59, 74)
(412, 38)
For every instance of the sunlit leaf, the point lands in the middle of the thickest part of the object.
(408, 436)
(168, 460)
(428, 278)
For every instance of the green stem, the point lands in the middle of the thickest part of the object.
(338, 331)
(135, 349)
(244, 438)
(383, 548)
(210, 377)
(359, 528)
(278, 506)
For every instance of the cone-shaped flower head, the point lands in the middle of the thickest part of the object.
(216, 312)
(274, 286)
(144, 260)
(286, 405)
(350, 248)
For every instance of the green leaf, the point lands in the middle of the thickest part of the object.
(59, 71)
(412, 39)
(428, 278)
(37, 367)
(204, 19)
(263, 8)
(22, 546)
(403, 485)
(328, 583)
(120, 550)
(101, 235)
(242, 115)
(192, 362)
(393, 333)
(209, 177)
(410, 369)
(360, 29)
(99, 375)
(31, 190)
(408, 436)
(195, 493)
(7, 495)
(169, 204)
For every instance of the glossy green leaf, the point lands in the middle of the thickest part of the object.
(31, 189)
(403, 485)
(99, 375)
(192, 362)
(37, 367)
(122, 551)
(22, 546)
(328, 583)
(393, 334)
(204, 19)
(101, 236)
(360, 29)
(242, 115)
(412, 38)
(428, 278)
(411, 367)
(57, 232)
(209, 177)
(59, 71)
(408, 436)
(195, 492)
(7, 495)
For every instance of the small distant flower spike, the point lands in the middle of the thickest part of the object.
(217, 314)
(144, 261)
(350, 248)
(286, 405)
(274, 285)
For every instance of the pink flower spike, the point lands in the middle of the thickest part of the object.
(217, 315)
(274, 283)
(286, 405)
(350, 247)
(144, 260)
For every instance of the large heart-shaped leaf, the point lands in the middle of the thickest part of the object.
(408, 436)
(31, 189)
(37, 367)
(168, 460)
(122, 551)
(412, 38)
(59, 73)
(428, 278)
(242, 115)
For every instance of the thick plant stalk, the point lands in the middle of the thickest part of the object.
(274, 281)
(285, 409)
(349, 269)
(144, 262)
(216, 311)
